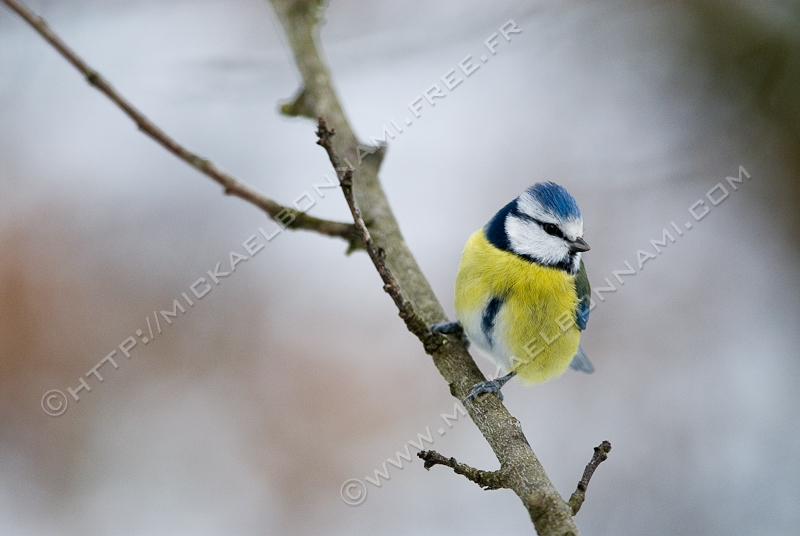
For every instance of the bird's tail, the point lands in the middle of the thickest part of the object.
(581, 362)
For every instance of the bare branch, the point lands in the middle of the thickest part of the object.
(488, 480)
(288, 217)
(600, 455)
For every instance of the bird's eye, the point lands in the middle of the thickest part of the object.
(552, 229)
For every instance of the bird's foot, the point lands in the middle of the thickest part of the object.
(451, 328)
(448, 328)
(490, 386)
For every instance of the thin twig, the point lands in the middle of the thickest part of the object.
(600, 455)
(286, 216)
(414, 321)
(488, 480)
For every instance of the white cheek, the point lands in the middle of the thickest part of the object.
(531, 240)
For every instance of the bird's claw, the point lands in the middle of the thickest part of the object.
(451, 328)
(448, 328)
(490, 386)
(482, 388)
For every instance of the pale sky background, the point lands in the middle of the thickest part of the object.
(295, 374)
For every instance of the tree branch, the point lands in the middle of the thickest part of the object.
(288, 217)
(488, 480)
(520, 470)
(523, 473)
(600, 455)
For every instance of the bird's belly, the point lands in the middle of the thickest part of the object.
(541, 339)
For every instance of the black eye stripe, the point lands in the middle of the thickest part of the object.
(555, 231)
(550, 228)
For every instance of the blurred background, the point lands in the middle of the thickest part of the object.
(295, 374)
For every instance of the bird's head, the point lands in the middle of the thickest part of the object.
(543, 225)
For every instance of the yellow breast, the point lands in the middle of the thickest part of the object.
(534, 331)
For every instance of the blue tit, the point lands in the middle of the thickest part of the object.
(522, 293)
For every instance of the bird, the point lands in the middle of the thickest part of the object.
(522, 294)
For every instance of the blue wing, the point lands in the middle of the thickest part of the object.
(583, 289)
(582, 315)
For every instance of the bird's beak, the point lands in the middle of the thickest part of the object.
(579, 244)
